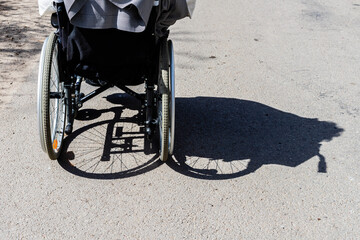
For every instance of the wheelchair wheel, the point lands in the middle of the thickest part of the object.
(163, 103)
(172, 98)
(51, 99)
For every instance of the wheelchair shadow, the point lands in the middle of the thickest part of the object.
(223, 138)
(216, 138)
(110, 149)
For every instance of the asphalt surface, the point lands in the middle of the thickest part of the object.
(267, 137)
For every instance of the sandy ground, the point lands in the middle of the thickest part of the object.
(267, 133)
(22, 33)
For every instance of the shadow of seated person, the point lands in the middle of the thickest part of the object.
(222, 138)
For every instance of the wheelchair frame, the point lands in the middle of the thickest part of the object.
(61, 90)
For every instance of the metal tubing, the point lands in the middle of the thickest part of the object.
(69, 109)
(57, 95)
(130, 92)
(95, 93)
(149, 106)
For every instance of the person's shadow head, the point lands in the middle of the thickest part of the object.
(222, 138)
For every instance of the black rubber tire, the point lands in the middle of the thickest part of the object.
(51, 128)
(171, 98)
(164, 115)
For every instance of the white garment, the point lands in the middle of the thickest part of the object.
(46, 7)
(119, 14)
(191, 6)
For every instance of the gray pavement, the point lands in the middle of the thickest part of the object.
(267, 138)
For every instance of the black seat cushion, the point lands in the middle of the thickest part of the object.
(110, 54)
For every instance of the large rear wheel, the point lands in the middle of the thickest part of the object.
(51, 99)
(163, 103)
(171, 98)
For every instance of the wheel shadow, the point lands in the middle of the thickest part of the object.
(224, 138)
(113, 148)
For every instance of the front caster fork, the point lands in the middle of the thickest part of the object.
(149, 105)
(69, 108)
(73, 103)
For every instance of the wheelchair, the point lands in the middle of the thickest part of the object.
(136, 58)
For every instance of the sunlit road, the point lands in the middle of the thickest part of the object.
(267, 137)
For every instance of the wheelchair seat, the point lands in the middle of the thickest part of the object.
(107, 54)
